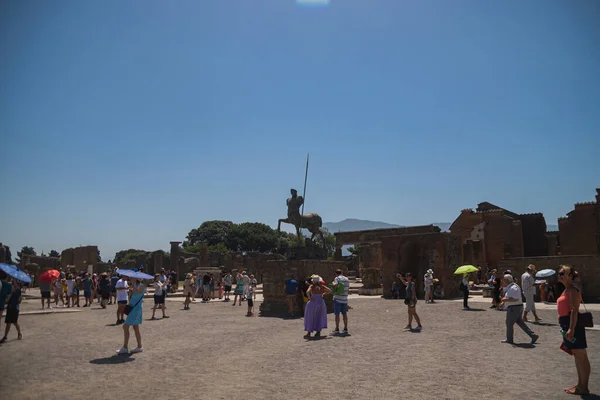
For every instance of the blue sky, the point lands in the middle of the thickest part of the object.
(127, 123)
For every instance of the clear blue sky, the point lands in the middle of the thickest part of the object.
(127, 123)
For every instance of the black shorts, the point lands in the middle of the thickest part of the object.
(45, 295)
(250, 302)
(122, 302)
(227, 289)
(564, 322)
(105, 296)
(159, 299)
(12, 316)
(113, 291)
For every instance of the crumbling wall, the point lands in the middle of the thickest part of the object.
(275, 273)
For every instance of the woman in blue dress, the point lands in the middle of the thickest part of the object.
(134, 319)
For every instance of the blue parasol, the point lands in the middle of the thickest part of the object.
(134, 274)
(15, 272)
(545, 273)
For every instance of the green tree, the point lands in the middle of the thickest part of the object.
(8, 255)
(218, 248)
(54, 253)
(124, 256)
(25, 251)
(329, 242)
(252, 236)
(210, 232)
(99, 259)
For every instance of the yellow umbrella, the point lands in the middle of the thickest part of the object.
(465, 269)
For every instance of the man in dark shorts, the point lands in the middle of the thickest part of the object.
(113, 291)
(227, 282)
(45, 290)
(104, 289)
(291, 294)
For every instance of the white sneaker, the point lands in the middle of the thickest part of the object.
(123, 350)
(137, 350)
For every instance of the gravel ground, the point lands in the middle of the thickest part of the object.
(214, 351)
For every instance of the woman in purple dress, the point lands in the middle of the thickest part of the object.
(315, 315)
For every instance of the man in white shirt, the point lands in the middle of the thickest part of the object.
(514, 310)
(528, 285)
(341, 286)
(122, 288)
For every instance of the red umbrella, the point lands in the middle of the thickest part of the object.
(49, 276)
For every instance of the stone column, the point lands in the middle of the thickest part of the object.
(158, 261)
(175, 258)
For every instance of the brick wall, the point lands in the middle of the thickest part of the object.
(588, 267)
(418, 253)
(503, 237)
(535, 243)
(552, 243)
(579, 231)
(275, 273)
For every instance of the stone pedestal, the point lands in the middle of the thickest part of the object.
(371, 279)
(275, 274)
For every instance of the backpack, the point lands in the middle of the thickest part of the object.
(339, 289)
(462, 286)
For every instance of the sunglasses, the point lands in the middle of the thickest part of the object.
(561, 273)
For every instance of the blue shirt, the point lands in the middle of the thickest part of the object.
(291, 286)
(113, 281)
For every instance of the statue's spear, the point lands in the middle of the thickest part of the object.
(305, 178)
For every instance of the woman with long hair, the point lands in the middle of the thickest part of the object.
(410, 299)
(574, 340)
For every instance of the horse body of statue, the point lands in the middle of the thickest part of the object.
(310, 221)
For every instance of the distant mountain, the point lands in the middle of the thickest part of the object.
(352, 224)
(444, 226)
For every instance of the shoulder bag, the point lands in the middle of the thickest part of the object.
(129, 308)
(585, 319)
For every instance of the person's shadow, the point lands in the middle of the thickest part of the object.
(524, 345)
(590, 396)
(116, 359)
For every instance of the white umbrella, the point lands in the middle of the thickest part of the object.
(545, 273)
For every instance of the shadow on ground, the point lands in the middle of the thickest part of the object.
(590, 396)
(116, 359)
(544, 324)
(524, 345)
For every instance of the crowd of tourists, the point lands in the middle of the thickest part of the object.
(507, 295)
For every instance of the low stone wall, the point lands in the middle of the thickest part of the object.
(416, 254)
(275, 273)
(588, 267)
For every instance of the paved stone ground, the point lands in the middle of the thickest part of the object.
(214, 352)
